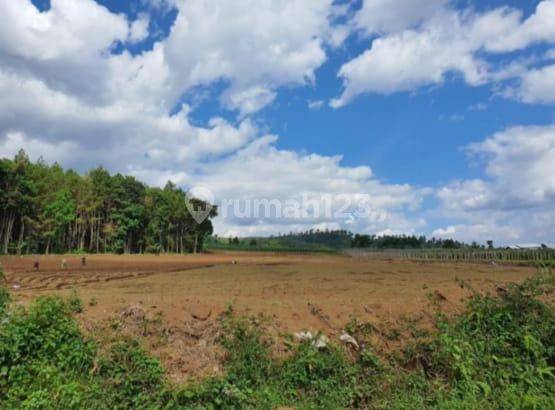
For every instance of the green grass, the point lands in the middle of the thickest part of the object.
(499, 354)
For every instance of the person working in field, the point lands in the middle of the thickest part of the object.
(36, 265)
(83, 261)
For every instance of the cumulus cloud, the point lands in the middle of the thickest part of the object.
(537, 86)
(403, 61)
(520, 164)
(518, 34)
(316, 189)
(63, 46)
(60, 81)
(12, 142)
(256, 45)
(385, 16)
(420, 45)
(517, 200)
(119, 135)
(138, 30)
(520, 167)
(68, 27)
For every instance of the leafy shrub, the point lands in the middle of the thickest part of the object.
(42, 353)
(248, 358)
(503, 347)
(324, 377)
(74, 303)
(4, 293)
(133, 378)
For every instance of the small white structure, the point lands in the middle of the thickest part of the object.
(531, 246)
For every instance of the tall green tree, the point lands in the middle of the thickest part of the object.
(44, 208)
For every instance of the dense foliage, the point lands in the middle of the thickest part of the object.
(315, 239)
(406, 242)
(343, 239)
(331, 238)
(46, 209)
(270, 244)
(499, 354)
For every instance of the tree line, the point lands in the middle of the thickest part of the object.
(409, 242)
(341, 238)
(333, 238)
(46, 209)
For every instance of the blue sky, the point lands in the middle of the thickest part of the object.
(441, 111)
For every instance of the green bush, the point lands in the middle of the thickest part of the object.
(248, 358)
(42, 355)
(132, 377)
(4, 294)
(325, 377)
(74, 303)
(503, 348)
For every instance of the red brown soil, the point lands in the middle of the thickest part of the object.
(187, 293)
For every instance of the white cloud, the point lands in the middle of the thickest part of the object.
(60, 82)
(550, 54)
(421, 43)
(139, 29)
(468, 194)
(315, 104)
(519, 164)
(321, 180)
(517, 200)
(519, 34)
(36, 148)
(256, 45)
(410, 59)
(63, 46)
(537, 86)
(248, 100)
(386, 16)
(504, 228)
(120, 135)
(69, 27)
(478, 232)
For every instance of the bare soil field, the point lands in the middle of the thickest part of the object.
(174, 301)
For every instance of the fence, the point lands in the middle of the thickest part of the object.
(471, 255)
